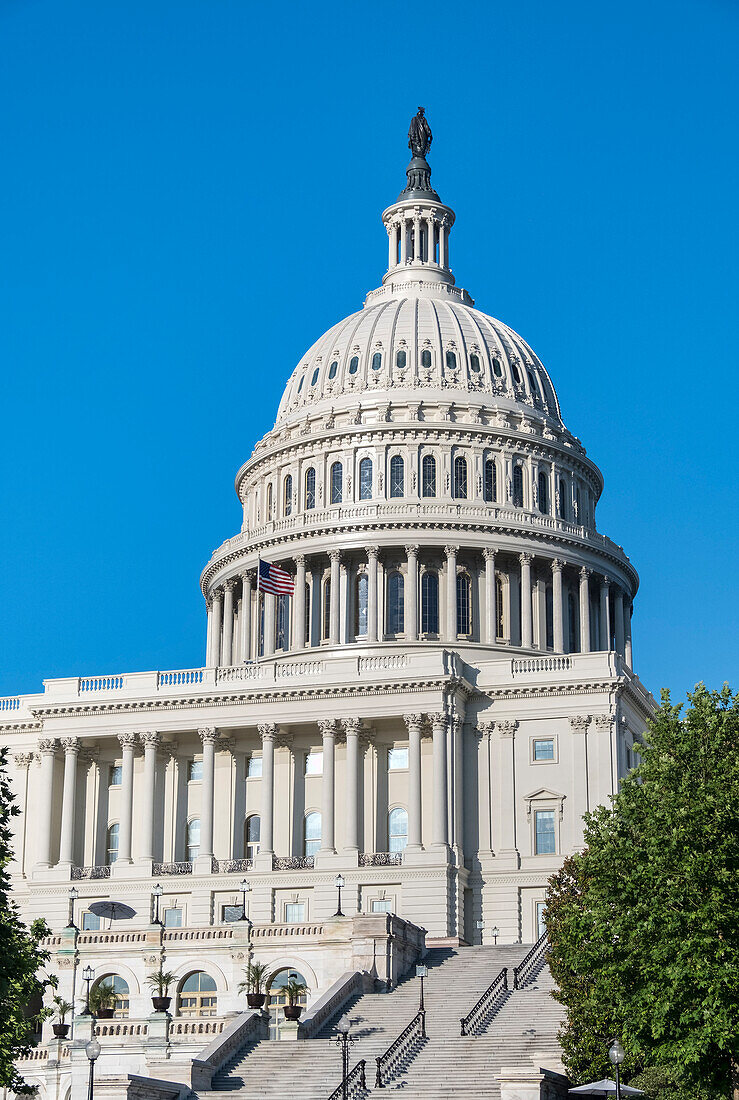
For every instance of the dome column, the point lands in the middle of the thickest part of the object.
(328, 735)
(414, 724)
(214, 657)
(411, 595)
(372, 555)
(245, 617)
(451, 592)
(430, 240)
(559, 636)
(628, 652)
(618, 615)
(605, 614)
(209, 632)
(268, 641)
(228, 623)
(335, 559)
(489, 555)
(527, 636)
(298, 640)
(71, 748)
(403, 240)
(584, 610)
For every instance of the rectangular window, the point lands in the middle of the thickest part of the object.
(90, 922)
(230, 913)
(173, 918)
(115, 775)
(254, 767)
(541, 927)
(314, 763)
(544, 750)
(295, 913)
(397, 759)
(382, 905)
(194, 770)
(544, 825)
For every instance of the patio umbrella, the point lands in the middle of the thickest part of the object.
(606, 1087)
(114, 910)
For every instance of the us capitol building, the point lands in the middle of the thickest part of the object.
(428, 716)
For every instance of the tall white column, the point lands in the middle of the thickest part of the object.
(228, 623)
(47, 751)
(618, 615)
(506, 844)
(414, 723)
(440, 830)
(442, 243)
(430, 239)
(579, 725)
(390, 246)
(128, 745)
(328, 734)
(605, 614)
(372, 554)
(584, 610)
(403, 241)
(208, 736)
(299, 603)
(527, 628)
(245, 617)
(269, 623)
(411, 595)
(351, 729)
(71, 746)
(416, 238)
(335, 559)
(628, 647)
(209, 634)
(150, 741)
(267, 731)
(558, 616)
(451, 592)
(216, 629)
(489, 555)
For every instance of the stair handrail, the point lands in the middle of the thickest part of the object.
(496, 987)
(386, 1060)
(522, 972)
(356, 1077)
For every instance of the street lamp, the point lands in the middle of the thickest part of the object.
(245, 888)
(617, 1054)
(343, 1039)
(73, 895)
(421, 972)
(92, 1050)
(495, 932)
(87, 975)
(157, 893)
(339, 883)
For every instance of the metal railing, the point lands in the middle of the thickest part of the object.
(523, 973)
(90, 872)
(486, 1006)
(292, 863)
(401, 1051)
(380, 859)
(184, 868)
(353, 1082)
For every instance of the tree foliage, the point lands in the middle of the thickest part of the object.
(21, 957)
(644, 923)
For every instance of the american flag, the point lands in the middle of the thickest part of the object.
(274, 579)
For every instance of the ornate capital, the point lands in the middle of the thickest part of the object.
(579, 723)
(267, 731)
(451, 551)
(47, 745)
(484, 728)
(23, 759)
(411, 551)
(557, 565)
(489, 554)
(352, 726)
(604, 722)
(605, 581)
(150, 739)
(525, 559)
(438, 721)
(230, 584)
(300, 561)
(328, 727)
(413, 721)
(71, 745)
(127, 740)
(585, 572)
(373, 552)
(506, 729)
(247, 578)
(208, 735)
(334, 555)
(216, 594)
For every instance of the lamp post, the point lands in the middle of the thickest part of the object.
(245, 888)
(617, 1054)
(87, 975)
(157, 893)
(73, 895)
(495, 932)
(339, 884)
(92, 1050)
(343, 1039)
(422, 972)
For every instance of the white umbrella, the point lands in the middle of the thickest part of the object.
(606, 1087)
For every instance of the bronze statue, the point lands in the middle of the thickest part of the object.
(419, 135)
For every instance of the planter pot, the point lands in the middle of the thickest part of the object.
(105, 1013)
(161, 1004)
(255, 1000)
(61, 1031)
(292, 1012)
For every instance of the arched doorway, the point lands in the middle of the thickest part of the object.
(277, 998)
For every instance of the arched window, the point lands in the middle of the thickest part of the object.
(426, 358)
(430, 602)
(361, 605)
(377, 360)
(111, 854)
(397, 479)
(327, 609)
(312, 840)
(365, 479)
(475, 363)
(395, 604)
(277, 998)
(281, 622)
(572, 622)
(354, 364)
(499, 608)
(562, 498)
(307, 614)
(397, 829)
(314, 378)
(287, 495)
(516, 374)
(497, 368)
(269, 501)
(464, 604)
(518, 487)
(451, 360)
(428, 476)
(193, 839)
(337, 481)
(197, 996)
(252, 833)
(491, 480)
(460, 477)
(120, 989)
(333, 369)
(310, 488)
(400, 359)
(543, 494)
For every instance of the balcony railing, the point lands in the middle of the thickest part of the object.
(90, 872)
(184, 868)
(380, 859)
(292, 863)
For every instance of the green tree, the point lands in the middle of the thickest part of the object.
(644, 923)
(21, 957)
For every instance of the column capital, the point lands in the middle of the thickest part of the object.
(247, 577)
(506, 729)
(605, 580)
(373, 552)
(352, 726)
(208, 605)
(604, 722)
(230, 584)
(150, 739)
(437, 720)
(451, 551)
(128, 740)
(299, 560)
(47, 746)
(413, 721)
(585, 572)
(267, 731)
(488, 553)
(328, 727)
(579, 723)
(208, 735)
(525, 559)
(23, 759)
(334, 555)
(412, 550)
(216, 594)
(557, 565)
(484, 728)
(71, 745)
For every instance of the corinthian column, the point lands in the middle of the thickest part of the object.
(214, 658)
(527, 628)
(372, 554)
(47, 751)
(335, 559)
(605, 614)
(71, 748)
(299, 603)
(414, 723)
(411, 595)
(440, 830)
(245, 619)
(490, 634)
(150, 741)
(328, 734)
(351, 729)
(451, 593)
(618, 615)
(559, 634)
(584, 610)
(267, 731)
(128, 744)
(208, 736)
(228, 623)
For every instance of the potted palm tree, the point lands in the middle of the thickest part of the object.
(160, 981)
(254, 984)
(102, 1000)
(63, 1008)
(294, 989)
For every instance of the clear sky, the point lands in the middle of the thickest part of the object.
(190, 194)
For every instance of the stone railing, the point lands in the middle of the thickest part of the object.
(248, 1027)
(521, 666)
(121, 1029)
(354, 981)
(90, 872)
(99, 683)
(389, 662)
(200, 1026)
(180, 677)
(281, 931)
(10, 702)
(211, 933)
(86, 939)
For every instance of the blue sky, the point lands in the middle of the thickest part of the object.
(190, 194)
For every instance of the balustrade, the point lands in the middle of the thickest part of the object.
(486, 1008)
(531, 963)
(400, 1053)
(354, 1082)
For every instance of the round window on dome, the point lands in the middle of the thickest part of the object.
(497, 368)
(377, 360)
(333, 369)
(354, 364)
(400, 359)
(474, 364)
(314, 379)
